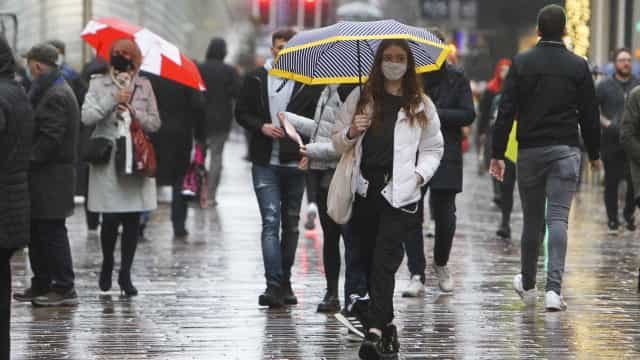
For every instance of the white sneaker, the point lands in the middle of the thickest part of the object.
(527, 296)
(444, 278)
(415, 288)
(554, 302)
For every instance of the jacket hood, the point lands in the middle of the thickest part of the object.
(217, 49)
(7, 60)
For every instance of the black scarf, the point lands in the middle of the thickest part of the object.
(40, 86)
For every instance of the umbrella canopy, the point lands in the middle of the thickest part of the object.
(343, 53)
(160, 57)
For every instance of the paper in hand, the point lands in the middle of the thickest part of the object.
(289, 129)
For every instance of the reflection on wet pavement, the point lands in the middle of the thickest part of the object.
(198, 298)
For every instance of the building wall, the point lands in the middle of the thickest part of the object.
(188, 24)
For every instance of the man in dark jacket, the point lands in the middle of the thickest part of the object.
(450, 91)
(277, 181)
(182, 113)
(16, 127)
(612, 93)
(51, 181)
(223, 84)
(551, 92)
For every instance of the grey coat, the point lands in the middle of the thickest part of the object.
(322, 155)
(630, 135)
(110, 192)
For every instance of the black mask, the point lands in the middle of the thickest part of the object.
(121, 63)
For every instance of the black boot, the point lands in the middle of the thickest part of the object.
(106, 275)
(288, 295)
(272, 297)
(389, 346)
(330, 303)
(126, 287)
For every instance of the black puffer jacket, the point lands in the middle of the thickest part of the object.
(16, 127)
(450, 91)
(52, 175)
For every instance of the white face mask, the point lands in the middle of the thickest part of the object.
(60, 60)
(393, 71)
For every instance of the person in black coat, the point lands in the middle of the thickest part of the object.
(277, 180)
(182, 113)
(51, 181)
(223, 84)
(16, 128)
(451, 93)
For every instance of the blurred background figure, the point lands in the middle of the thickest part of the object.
(182, 114)
(223, 85)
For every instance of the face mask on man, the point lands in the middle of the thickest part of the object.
(60, 60)
(121, 63)
(393, 71)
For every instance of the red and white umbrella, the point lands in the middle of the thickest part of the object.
(160, 57)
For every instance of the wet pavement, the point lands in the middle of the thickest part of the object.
(198, 298)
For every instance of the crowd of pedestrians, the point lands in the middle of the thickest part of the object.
(62, 134)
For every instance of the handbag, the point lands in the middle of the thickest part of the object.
(144, 155)
(98, 151)
(340, 197)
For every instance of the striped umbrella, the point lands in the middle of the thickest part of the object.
(343, 53)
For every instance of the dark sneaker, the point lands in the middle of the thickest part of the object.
(631, 226)
(28, 295)
(52, 299)
(288, 296)
(271, 297)
(369, 347)
(613, 227)
(330, 303)
(353, 317)
(504, 232)
(389, 346)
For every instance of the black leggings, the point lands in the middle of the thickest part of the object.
(331, 230)
(506, 191)
(5, 302)
(109, 234)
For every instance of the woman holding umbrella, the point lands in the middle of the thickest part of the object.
(387, 124)
(121, 198)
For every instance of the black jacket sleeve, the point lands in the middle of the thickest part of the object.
(198, 105)
(248, 102)
(507, 112)
(51, 129)
(589, 115)
(463, 113)
(484, 110)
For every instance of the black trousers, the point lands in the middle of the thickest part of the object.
(179, 208)
(616, 170)
(378, 232)
(312, 179)
(507, 187)
(50, 256)
(109, 234)
(5, 302)
(442, 204)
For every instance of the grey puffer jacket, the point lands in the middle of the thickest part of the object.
(322, 155)
(110, 192)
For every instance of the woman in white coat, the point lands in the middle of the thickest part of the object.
(394, 130)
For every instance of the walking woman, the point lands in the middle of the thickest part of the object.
(121, 198)
(388, 125)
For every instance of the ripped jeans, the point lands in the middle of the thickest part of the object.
(279, 191)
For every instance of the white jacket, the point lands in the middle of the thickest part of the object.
(403, 189)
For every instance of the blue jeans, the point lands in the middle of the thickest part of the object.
(279, 191)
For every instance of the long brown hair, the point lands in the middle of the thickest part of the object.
(374, 90)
